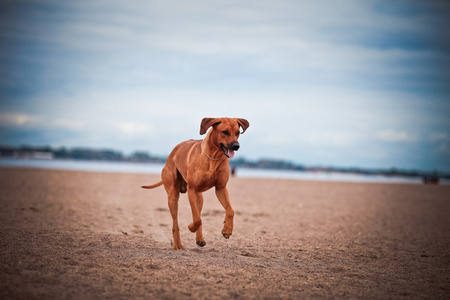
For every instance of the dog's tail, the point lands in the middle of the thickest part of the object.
(152, 186)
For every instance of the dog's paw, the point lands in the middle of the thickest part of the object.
(227, 229)
(193, 227)
(226, 235)
(178, 247)
(226, 232)
(201, 243)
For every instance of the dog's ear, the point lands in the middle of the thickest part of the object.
(244, 124)
(208, 122)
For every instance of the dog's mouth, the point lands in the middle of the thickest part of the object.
(228, 152)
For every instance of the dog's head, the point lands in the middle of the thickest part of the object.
(225, 132)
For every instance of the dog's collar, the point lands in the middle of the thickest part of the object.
(208, 155)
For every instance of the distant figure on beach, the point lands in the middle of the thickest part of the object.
(431, 179)
(233, 171)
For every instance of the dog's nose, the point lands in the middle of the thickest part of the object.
(235, 146)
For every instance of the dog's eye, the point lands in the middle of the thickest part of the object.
(238, 133)
(226, 132)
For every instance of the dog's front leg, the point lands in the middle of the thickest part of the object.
(200, 240)
(222, 195)
(193, 201)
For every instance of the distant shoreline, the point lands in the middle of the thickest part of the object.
(240, 172)
(109, 155)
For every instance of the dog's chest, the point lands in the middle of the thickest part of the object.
(207, 179)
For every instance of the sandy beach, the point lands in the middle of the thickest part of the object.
(81, 235)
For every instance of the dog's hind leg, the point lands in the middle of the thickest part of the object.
(169, 176)
(173, 197)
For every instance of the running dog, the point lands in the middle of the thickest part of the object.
(195, 166)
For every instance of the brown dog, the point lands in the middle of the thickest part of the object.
(196, 166)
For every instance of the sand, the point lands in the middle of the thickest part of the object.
(80, 235)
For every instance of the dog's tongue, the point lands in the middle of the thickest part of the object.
(230, 153)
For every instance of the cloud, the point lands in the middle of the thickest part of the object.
(135, 128)
(288, 38)
(391, 135)
(18, 119)
(439, 136)
(70, 124)
(440, 143)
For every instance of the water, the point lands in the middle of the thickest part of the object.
(154, 168)
(84, 165)
(323, 176)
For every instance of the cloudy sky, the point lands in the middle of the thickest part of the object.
(348, 83)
